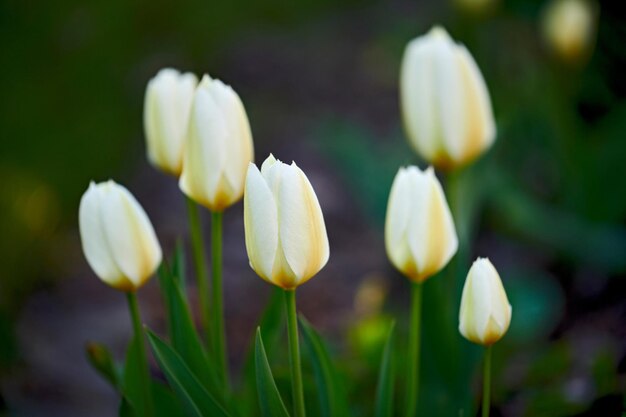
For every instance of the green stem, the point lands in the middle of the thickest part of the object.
(487, 383)
(202, 275)
(412, 391)
(219, 338)
(294, 354)
(148, 406)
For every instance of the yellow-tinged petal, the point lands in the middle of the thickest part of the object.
(93, 239)
(444, 101)
(299, 235)
(219, 147)
(419, 231)
(261, 224)
(130, 234)
(117, 237)
(485, 313)
(166, 114)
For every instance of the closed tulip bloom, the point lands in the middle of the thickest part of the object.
(485, 312)
(285, 233)
(569, 28)
(117, 237)
(419, 231)
(218, 148)
(166, 114)
(445, 104)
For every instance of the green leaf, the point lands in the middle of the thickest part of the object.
(384, 389)
(166, 404)
(272, 325)
(269, 398)
(178, 268)
(132, 380)
(101, 360)
(183, 334)
(333, 401)
(198, 401)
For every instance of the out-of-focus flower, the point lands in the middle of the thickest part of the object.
(118, 239)
(444, 100)
(419, 231)
(285, 232)
(370, 296)
(165, 116)
(569, 27)
(218, 148)
(485, 312)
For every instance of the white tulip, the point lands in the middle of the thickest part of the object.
(445, 104)
(117, 237)
(419, 231)
(485, 312)
(285, 233)
(166, 114)
(569, 27)
(219, 146)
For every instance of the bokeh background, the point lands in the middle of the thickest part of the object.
(319, 80)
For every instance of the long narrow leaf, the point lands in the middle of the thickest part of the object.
(333, 401)
(132, 380)
(188, 388)
(182, 331)
(269, 398)
(384, 389)
(272, 325)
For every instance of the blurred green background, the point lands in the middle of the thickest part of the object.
(319, 80)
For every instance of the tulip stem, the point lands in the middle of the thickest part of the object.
(487, 383)
(294, 354)
(219, 338)
(140, 345)
(202, 274)
(412, 391)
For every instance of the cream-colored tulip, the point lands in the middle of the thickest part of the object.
(569, 27)
(419, 231)
(165, 116)
(444, 100)
(485, 312)
(117, 237)
(218, 148)
(285, 232)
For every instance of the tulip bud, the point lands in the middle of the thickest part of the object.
(285, 233)
(444, 101)
(485, 312)
(218, 148)
(569, 28)
(166, 113)
(419, 230)
(117, 237)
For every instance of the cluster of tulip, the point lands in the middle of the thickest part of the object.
(199, 132)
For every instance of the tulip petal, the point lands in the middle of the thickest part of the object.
(261, 223)
(204, 151)
(397, 220)
(479, 122)
(441, 235)
(238, 142)
(166, 112)
(93, 239)
(302, 230)
(419, 220)
(417, 95)
(449, 103)
(130, 234)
